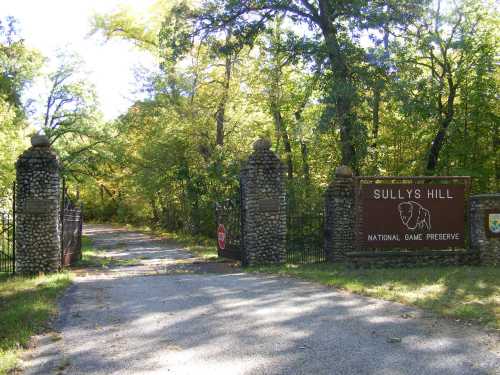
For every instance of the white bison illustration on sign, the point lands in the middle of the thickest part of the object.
(414, 215)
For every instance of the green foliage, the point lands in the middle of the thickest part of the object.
(439, 61)
(122, 24)
(227, 80)
(404, 88)
(18, 66)
(12, 142)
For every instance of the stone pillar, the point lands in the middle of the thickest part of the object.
(263, 207)
(339, 215)
(484, 222)
(38, 246)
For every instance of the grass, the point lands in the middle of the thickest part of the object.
(93, 258)
(471, 294)
(26, 306)
(200, 246)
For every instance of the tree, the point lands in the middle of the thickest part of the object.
(234, 71)
(330, 21)
(19, 65)
(449, 45)
(286, 85)
(71, 104)
(123, 24)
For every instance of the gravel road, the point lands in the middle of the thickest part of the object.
(160, 317)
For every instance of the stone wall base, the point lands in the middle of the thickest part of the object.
(411, 259)
(481, 240)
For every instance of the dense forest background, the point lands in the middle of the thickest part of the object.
(388, 87)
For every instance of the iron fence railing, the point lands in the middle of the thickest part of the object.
(305, 237)
(8, 233)
(71, 229)
(228, 218)
(7, 243)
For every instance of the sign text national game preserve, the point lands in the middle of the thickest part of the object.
(413, 215)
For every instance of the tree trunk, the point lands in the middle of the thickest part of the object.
(282, 133)
(155, 210)
(305, 164)
(221, 107)
(496, 147)
(438, 142)
(375, 114)
(376, 122)
(288, 152)
(343, 91)
(437, 145)
(304, 152)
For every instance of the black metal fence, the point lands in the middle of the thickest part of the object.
(305, 229)
(305, 238)
(305, 225)
(228, 229)
(71, 230)
(7, 243)
(7, 233)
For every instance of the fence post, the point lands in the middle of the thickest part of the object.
(14, 227)
(61, 219)
(37, 209)
(263, 207)
(80, 231)
(339, 215)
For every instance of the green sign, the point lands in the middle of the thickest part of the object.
(493, 224)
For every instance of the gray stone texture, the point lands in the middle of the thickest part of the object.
(263, 205)
(410, 258)
(38, 207)
(339, 215)
(487, 247)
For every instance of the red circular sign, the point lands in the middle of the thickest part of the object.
(221, 236)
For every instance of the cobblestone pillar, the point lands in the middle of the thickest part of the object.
(263, 207)
(484, 221)
(38, 246)
(339, 215)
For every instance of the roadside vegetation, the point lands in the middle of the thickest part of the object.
(200, 245)
(94, 258)
(471, 294)
(26, 306)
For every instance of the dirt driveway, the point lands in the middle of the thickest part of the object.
(165, 315)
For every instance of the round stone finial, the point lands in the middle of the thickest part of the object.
(343, 171)
(40, 140)
(262, 144)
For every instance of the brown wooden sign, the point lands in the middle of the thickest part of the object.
(413, 215)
